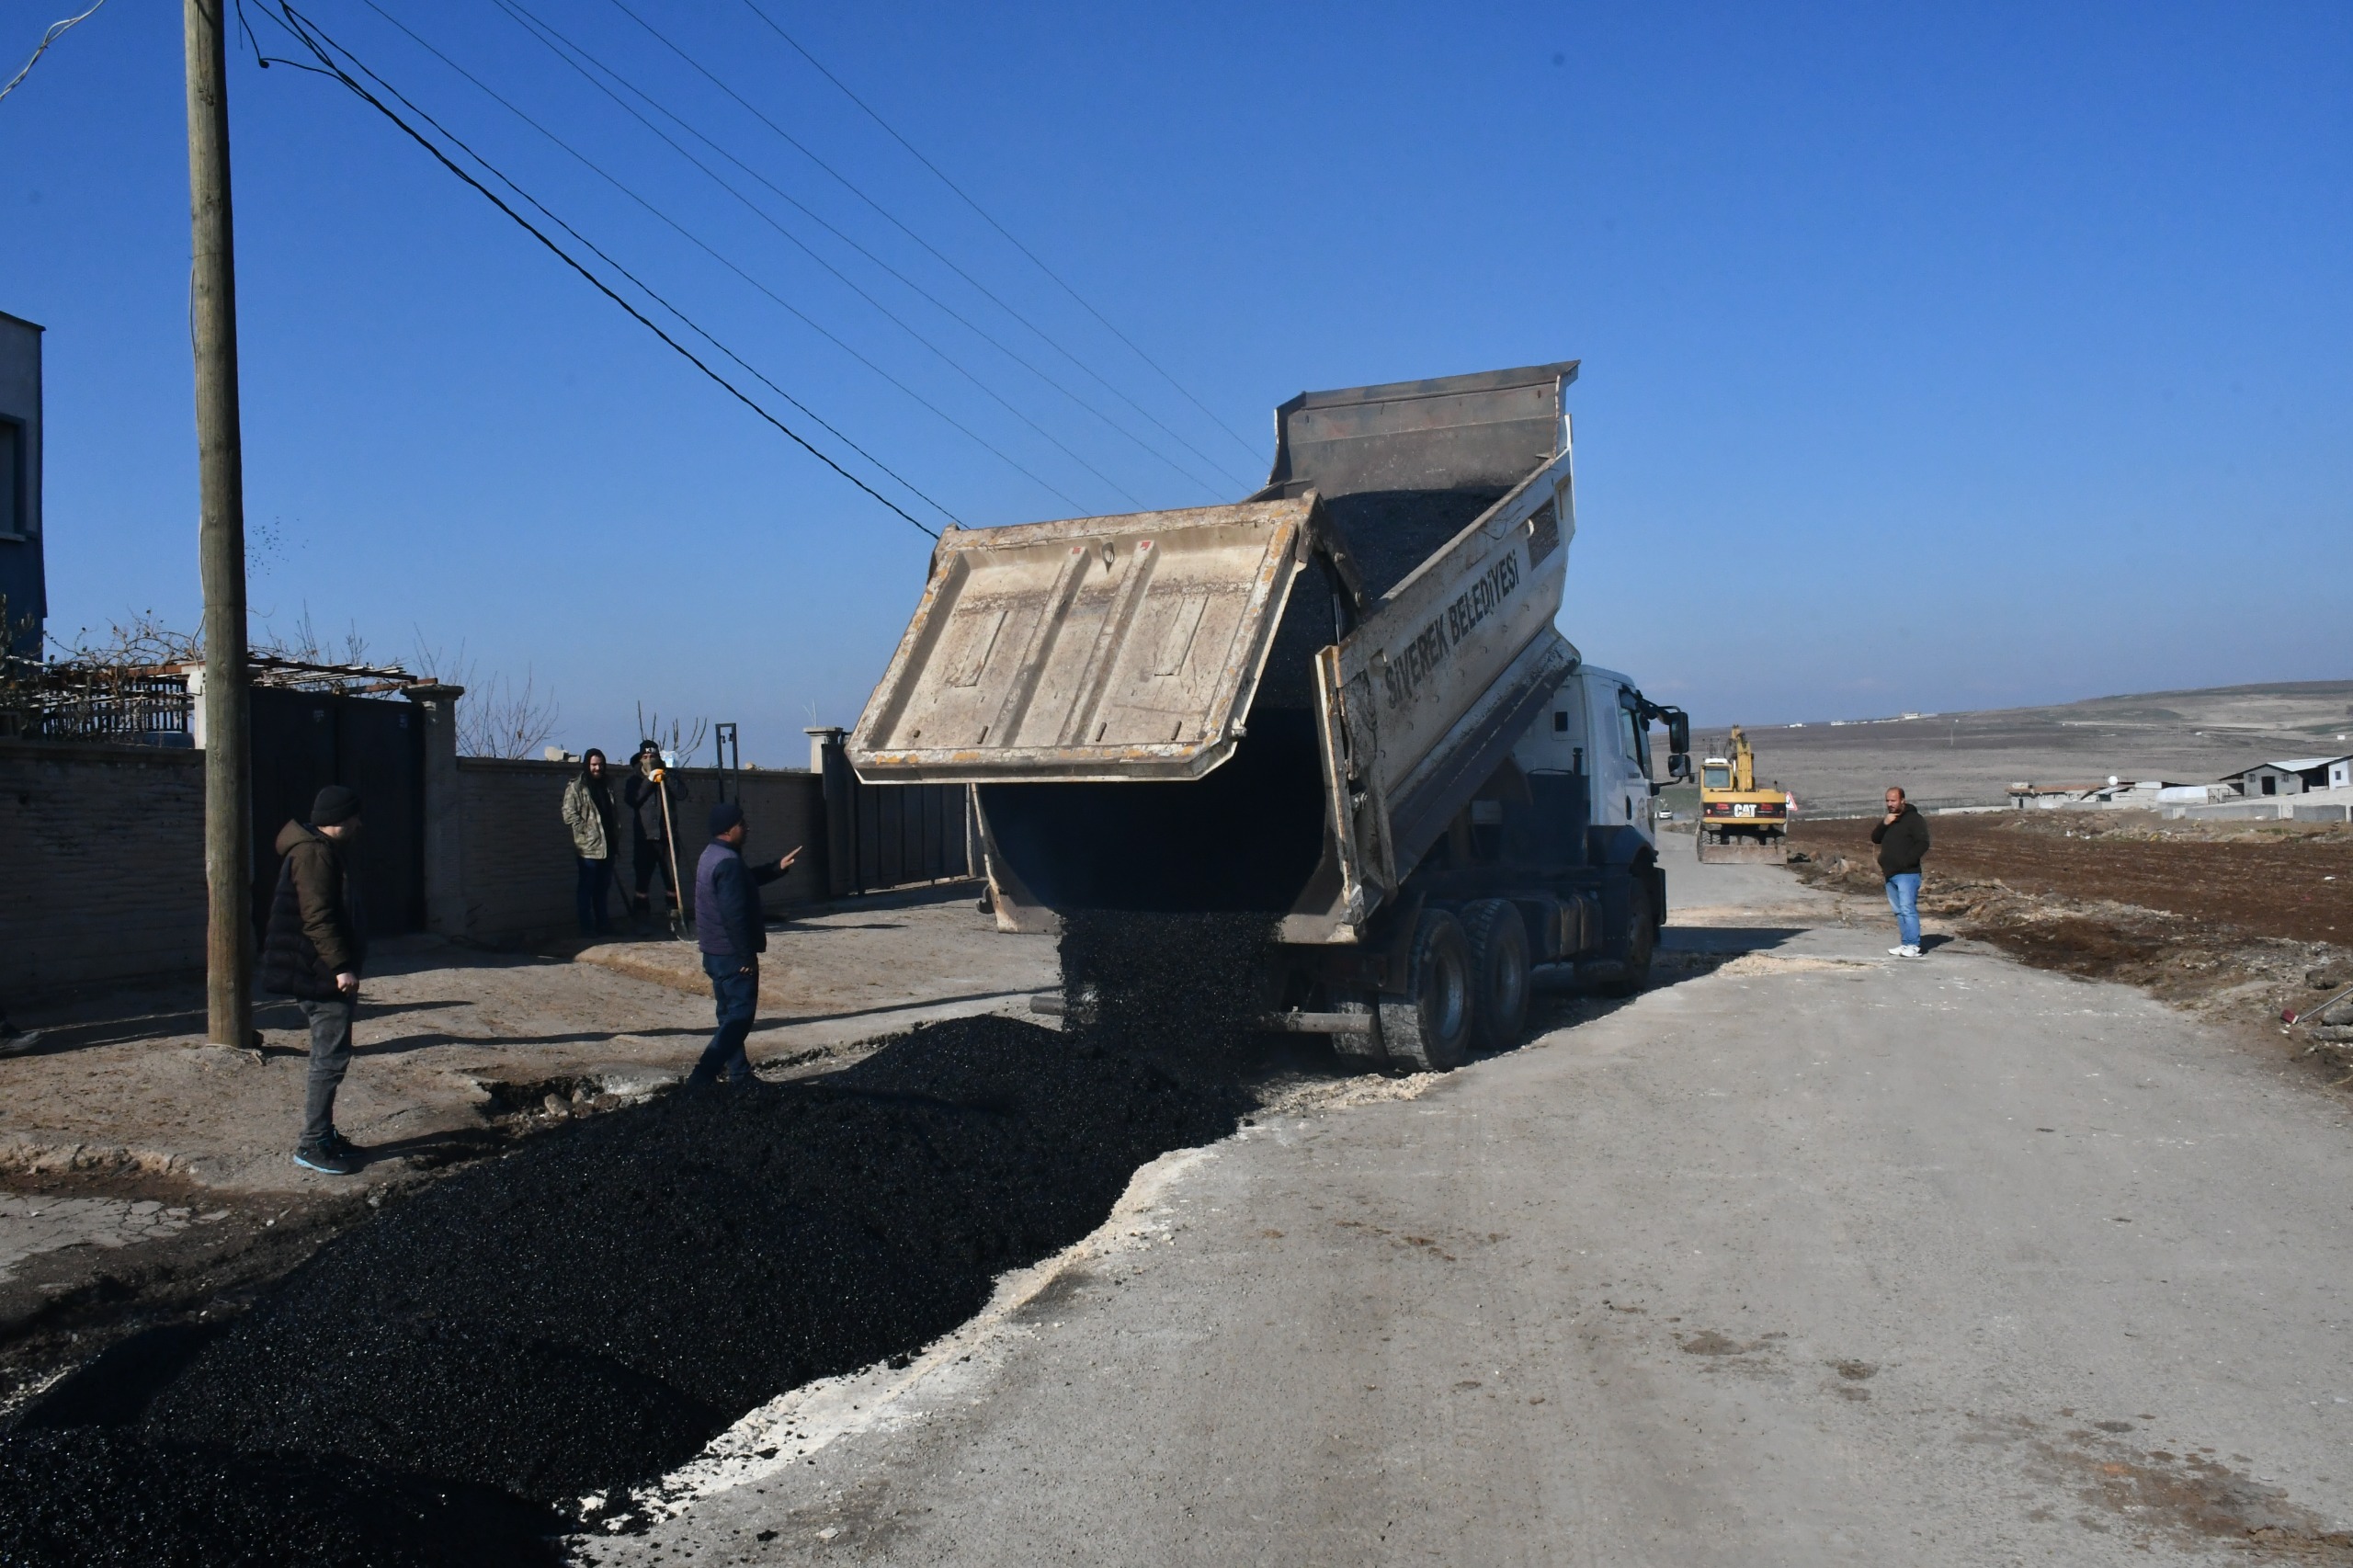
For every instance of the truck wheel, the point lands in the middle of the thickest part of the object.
(1499, 981)
(1429, 1028)
(1642, 941)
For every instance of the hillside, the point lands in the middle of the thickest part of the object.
(2188, 737)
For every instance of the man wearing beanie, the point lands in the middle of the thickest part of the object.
(315, 946)
(732, 931)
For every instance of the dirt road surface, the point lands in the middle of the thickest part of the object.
(1804, 1257)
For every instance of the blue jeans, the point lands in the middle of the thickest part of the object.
(589, 895)
(1903, 897)
(737, 998)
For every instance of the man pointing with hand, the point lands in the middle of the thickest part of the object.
(732, 930)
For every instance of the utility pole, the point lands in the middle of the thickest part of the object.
(221, 485)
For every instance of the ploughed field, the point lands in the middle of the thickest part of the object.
(500, 1358)
(2296, 885)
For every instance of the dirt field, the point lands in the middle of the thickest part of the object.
(2236, 921)
(2282, 880)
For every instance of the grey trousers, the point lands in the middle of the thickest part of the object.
(330, 1057)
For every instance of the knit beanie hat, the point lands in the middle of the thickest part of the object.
(724, 815)
(336, 803)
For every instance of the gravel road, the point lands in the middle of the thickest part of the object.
(1805, 1257)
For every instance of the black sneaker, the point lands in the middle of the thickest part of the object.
(14, 1041)
(324, 1160)
(343, 1148)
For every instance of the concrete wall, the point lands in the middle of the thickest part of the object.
(101, 865)
(517, 859)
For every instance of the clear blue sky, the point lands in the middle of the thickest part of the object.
(1934, 356)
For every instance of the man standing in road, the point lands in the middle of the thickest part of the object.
(1902, 839)
(732, 930)
(317, 944)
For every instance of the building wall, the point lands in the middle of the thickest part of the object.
(518, 864)
(22, 580)
(102, 859)
(102, 864)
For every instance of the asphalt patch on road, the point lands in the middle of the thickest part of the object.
(586, 1312)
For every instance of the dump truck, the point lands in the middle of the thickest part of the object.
(1340, 705)
(1739, 823)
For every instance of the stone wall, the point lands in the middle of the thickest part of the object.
(517, 859)
(101, 865)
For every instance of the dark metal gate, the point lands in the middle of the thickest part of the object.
(302, 741)
(887, 835)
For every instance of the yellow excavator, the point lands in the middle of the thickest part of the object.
(1740, 823)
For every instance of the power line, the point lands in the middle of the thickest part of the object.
(884, 311)
(715, 255)
(56, 30)
(993, 224)
(892, 218)
(653, 295)
(303, 29)
(531, 21)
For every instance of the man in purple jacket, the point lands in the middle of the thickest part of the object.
(732, 930)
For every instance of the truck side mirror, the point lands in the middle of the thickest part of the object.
(1678, 765)
(1678, 735)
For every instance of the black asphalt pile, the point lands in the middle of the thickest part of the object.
(589, 1312)
(1391, 532)
(586, 1312)
(1185, 991)
(101, 1498)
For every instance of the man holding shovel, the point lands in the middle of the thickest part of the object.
(732, 930)
(650, 800)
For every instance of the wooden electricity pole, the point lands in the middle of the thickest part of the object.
(212, 319)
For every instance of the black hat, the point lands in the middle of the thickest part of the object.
(724, 815)
(336, 803)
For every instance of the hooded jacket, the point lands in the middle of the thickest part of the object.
(588, 812)
(316, 930)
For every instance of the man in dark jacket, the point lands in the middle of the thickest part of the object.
(732, 930)
(316, 945)
(649, 826)
(1902, 839)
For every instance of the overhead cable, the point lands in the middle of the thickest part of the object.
(696, 240)
(892, 219)
(758, 212)
(525, 16)
(1000, 228)
(56, 30)
(320, 44)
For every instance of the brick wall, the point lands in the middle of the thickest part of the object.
(518, 861)
(102, 858)
(101, 865)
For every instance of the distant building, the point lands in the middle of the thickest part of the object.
(22, 581)
(2294, 776)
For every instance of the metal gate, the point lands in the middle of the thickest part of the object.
(886, 835)
(302, 741)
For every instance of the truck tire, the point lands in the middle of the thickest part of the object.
(1499, 978)
(1428, 1030)
(1642, 941)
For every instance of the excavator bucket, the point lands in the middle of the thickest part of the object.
(1743, 851)
(1092, 649)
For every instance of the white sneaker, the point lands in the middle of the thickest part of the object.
(1907, 951)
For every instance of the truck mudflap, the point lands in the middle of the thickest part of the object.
(1091, 650)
